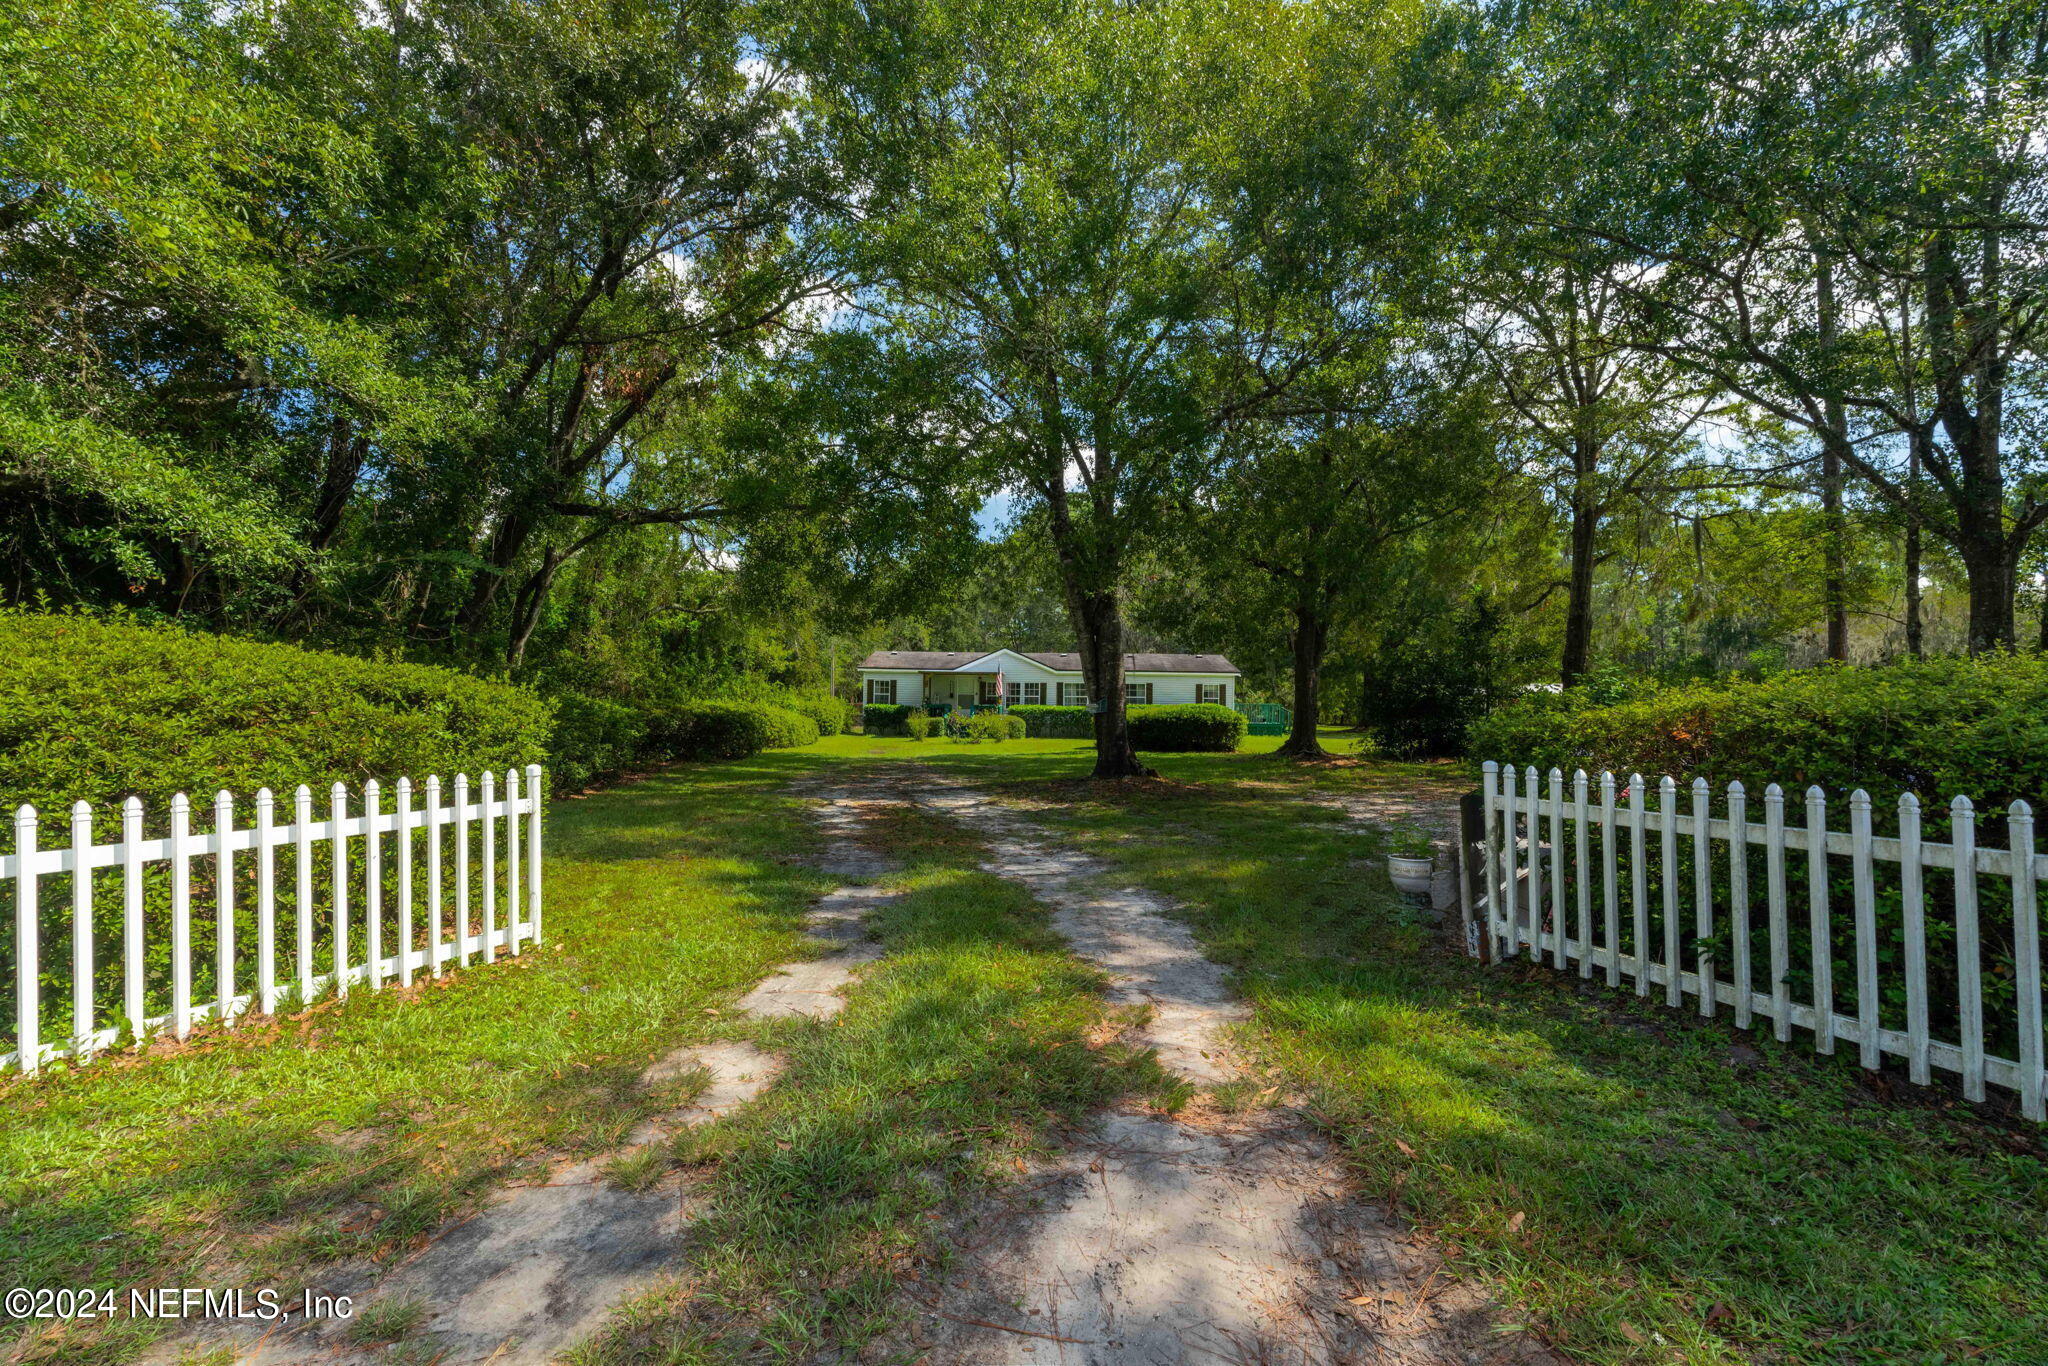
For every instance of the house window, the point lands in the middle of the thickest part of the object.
(881, 692)
(1027, 694)
(1218, 693)
(1072, 694)
(988, 692)
(1137, 694)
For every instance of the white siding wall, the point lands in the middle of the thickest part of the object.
(910, 689)
(909, 684)
(1177, 688)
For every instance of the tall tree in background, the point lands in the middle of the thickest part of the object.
(1787, 168)
(1306, 524)
(1604, 422)
(1112, 254)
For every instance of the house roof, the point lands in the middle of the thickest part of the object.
(945, 661)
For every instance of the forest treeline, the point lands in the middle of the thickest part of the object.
(1431, 348)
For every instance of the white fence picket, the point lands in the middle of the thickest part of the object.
(1702, 894)
(1667, 831)
(490, 871)
(1781, 946)
(131, 917)
(1581, 865)
(1820, 940)
(224, 906)
(1638, 834)
(95, 1025)
(2026, 950)
(1969, 949)
(373, 883)
(1508, 886)
(511, 860)
(1610, 900)
(462, 869)
(533, 802)
(266, 901)
(302, 839)
(337, 830)
(181, 916)
(405, 823)
(1740, 836)
(81, 927)
(1913, 898)
(1516, 808)
(28, 1002)
(436, 818)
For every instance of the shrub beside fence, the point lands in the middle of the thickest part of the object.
(170, 967)
(1940, 970)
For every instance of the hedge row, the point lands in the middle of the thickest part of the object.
(734, 730)
(1057, 723)
(1195, 727)
(1202, 727)
(1936, 727)
(99, 708)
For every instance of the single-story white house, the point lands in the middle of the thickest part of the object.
(987, 678)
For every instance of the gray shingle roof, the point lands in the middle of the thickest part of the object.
(944, 660)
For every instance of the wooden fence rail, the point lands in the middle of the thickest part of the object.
(163, 867)
(1549, 892)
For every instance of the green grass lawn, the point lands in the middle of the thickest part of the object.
(959, 1054)
(355, 1127)
(1648, 1191)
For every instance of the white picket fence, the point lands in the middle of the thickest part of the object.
(475, 928)
(1527, 870)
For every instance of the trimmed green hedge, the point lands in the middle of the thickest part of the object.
(1202, 727)
(891, 720)
(827, 712)
(1937, 727)
(1056, 723)
(734, 730)
(98, 708)
(595, 740)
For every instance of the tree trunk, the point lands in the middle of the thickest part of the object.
(1834, 552)
(1914, 646)
(1578, 612)
(1099, 620)
(533, 596)
(1311, 637)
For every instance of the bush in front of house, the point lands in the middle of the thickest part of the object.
(889, 720)
(1199, 727)
(827, 712)
(99, 708)
(993, 726)
(1937, 727)
(1056, 723)
(734, 730)
(595, 740)
(920, 724)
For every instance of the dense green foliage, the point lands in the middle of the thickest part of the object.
(1186, 729)
(1937, 727)
(100, 708)
(594, 740)
(827, 712)
(733, 730)
(1056, 723)
(891, 720)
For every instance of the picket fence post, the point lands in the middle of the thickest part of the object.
(81, 928)
(27, 942)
